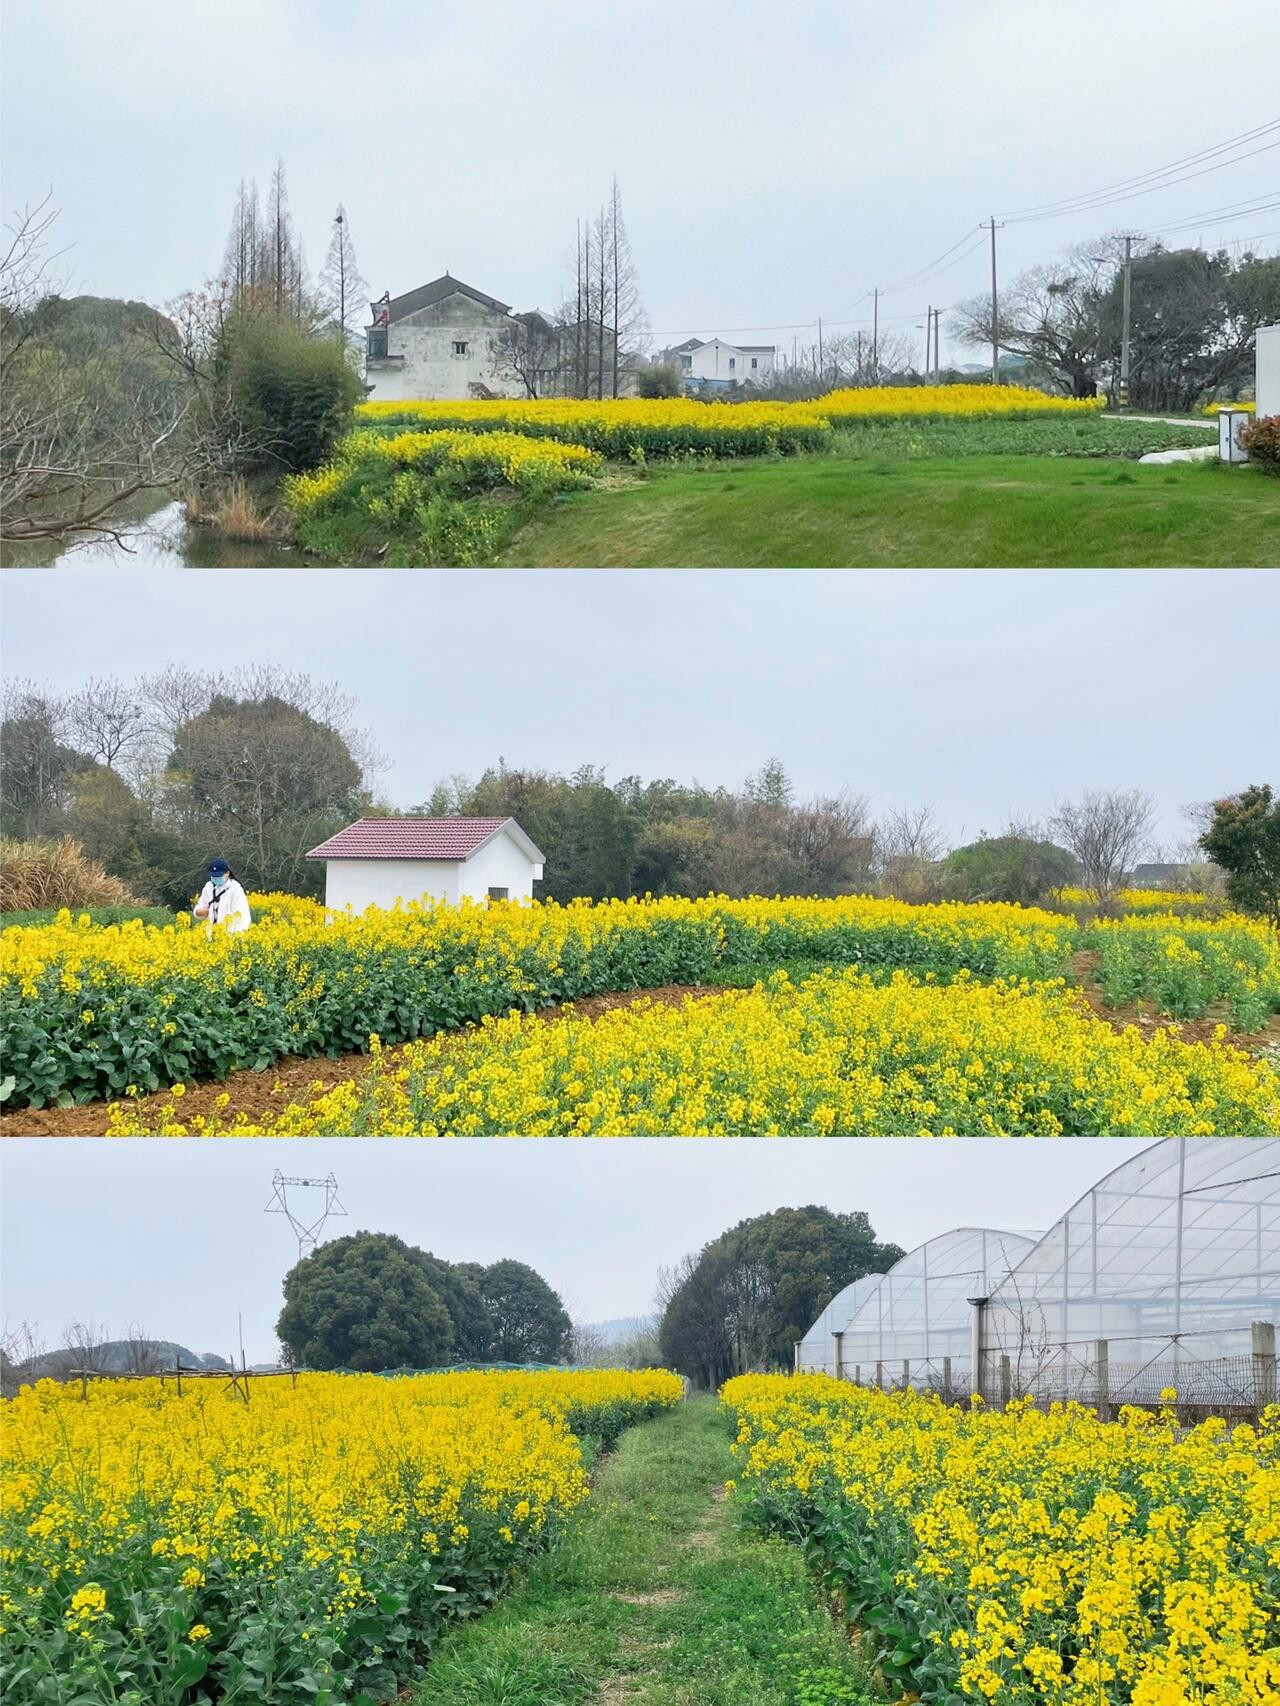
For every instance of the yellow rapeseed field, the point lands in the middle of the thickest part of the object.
(1025, 1556)
(307, 1543)
(89, 1011)
(837, 1054)
(960, 402)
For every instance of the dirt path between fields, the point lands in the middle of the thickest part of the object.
(295, 1077)
(1143, 1015)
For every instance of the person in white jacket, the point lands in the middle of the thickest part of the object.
(222, 901)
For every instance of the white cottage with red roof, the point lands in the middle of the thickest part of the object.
(381, 860)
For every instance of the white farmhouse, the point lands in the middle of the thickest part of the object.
(444, 340)
(381, 860)
(448, 341)
(714, 364)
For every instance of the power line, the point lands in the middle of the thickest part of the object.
(1044, 208)
(1110, 201)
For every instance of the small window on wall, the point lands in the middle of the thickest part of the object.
(733, 362)
(460, 348)
(754, 362)
(497, 894)
(378, 341)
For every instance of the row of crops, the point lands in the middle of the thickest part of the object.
(308, 1542)
(673, 426)
(93, 1012)
(1022, 1556)
(838, 1052)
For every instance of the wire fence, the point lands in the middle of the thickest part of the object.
(1106, 1375)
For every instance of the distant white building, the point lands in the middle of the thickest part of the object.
(714, 365)
(381, 860)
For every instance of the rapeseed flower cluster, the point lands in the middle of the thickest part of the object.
(308, 1542)
(476, 460)
(1027, 1556)
(622, 428)
(1143, 900)
(1190, 967)
(839, 1053)
(177, 1003)
(947, 402)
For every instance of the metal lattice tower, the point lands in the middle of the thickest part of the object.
(308, 1231)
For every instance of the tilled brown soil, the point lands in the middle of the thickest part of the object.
(291, 1079)
(297, 1078)
(1084, 969)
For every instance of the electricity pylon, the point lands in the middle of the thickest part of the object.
(308, 1231)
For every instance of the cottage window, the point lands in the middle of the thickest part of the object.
(754, 362)
(378, 340)
(459, 348)
(497, 894)
(732, 363)
(686, 360)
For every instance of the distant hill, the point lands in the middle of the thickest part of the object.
(119, 1356)
(623, 1327)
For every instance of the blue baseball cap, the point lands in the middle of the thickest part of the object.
(219, 868)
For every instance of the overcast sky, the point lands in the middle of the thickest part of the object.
(172, 1235)
(984, 692)
(776, 162)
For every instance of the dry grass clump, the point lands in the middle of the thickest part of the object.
(35, 875)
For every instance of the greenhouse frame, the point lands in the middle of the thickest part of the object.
(1165, 1275)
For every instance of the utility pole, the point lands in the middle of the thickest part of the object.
(937, 346)
(820, 362)
(928, 333)
(995, 311)
(875, 333)
(1124, 333)
(307, 1230)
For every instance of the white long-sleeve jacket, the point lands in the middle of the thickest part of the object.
(229, 910)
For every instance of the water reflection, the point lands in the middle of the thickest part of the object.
(166, 540)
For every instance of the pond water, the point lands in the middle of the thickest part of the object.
(162, 539)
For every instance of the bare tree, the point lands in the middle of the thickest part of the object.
(588, 1346)
(531, 347)
(107, 719)
(22, 1351)
(341, 286)
(908, 845)
(140, 1353)
(1106, 829)
(70, 454)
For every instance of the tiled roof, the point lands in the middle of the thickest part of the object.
(427, 295)
(410, 838)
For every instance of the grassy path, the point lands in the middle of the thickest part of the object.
(656, 1599)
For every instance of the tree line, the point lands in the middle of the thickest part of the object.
(371, 1302)
(740, 1303)
(1194, 316)
(154, 776)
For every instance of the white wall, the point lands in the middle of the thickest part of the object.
(430, 368)
(1267, 387)
(501, 865)
(712, 362)
(359, 883)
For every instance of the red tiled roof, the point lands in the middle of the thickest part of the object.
(409, 838)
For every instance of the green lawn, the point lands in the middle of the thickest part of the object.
(851, 511)
(656, 1598)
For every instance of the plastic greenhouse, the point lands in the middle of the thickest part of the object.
(1154, 1279)
(1166, 1274)
(817, 1350)
(913, 1325)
